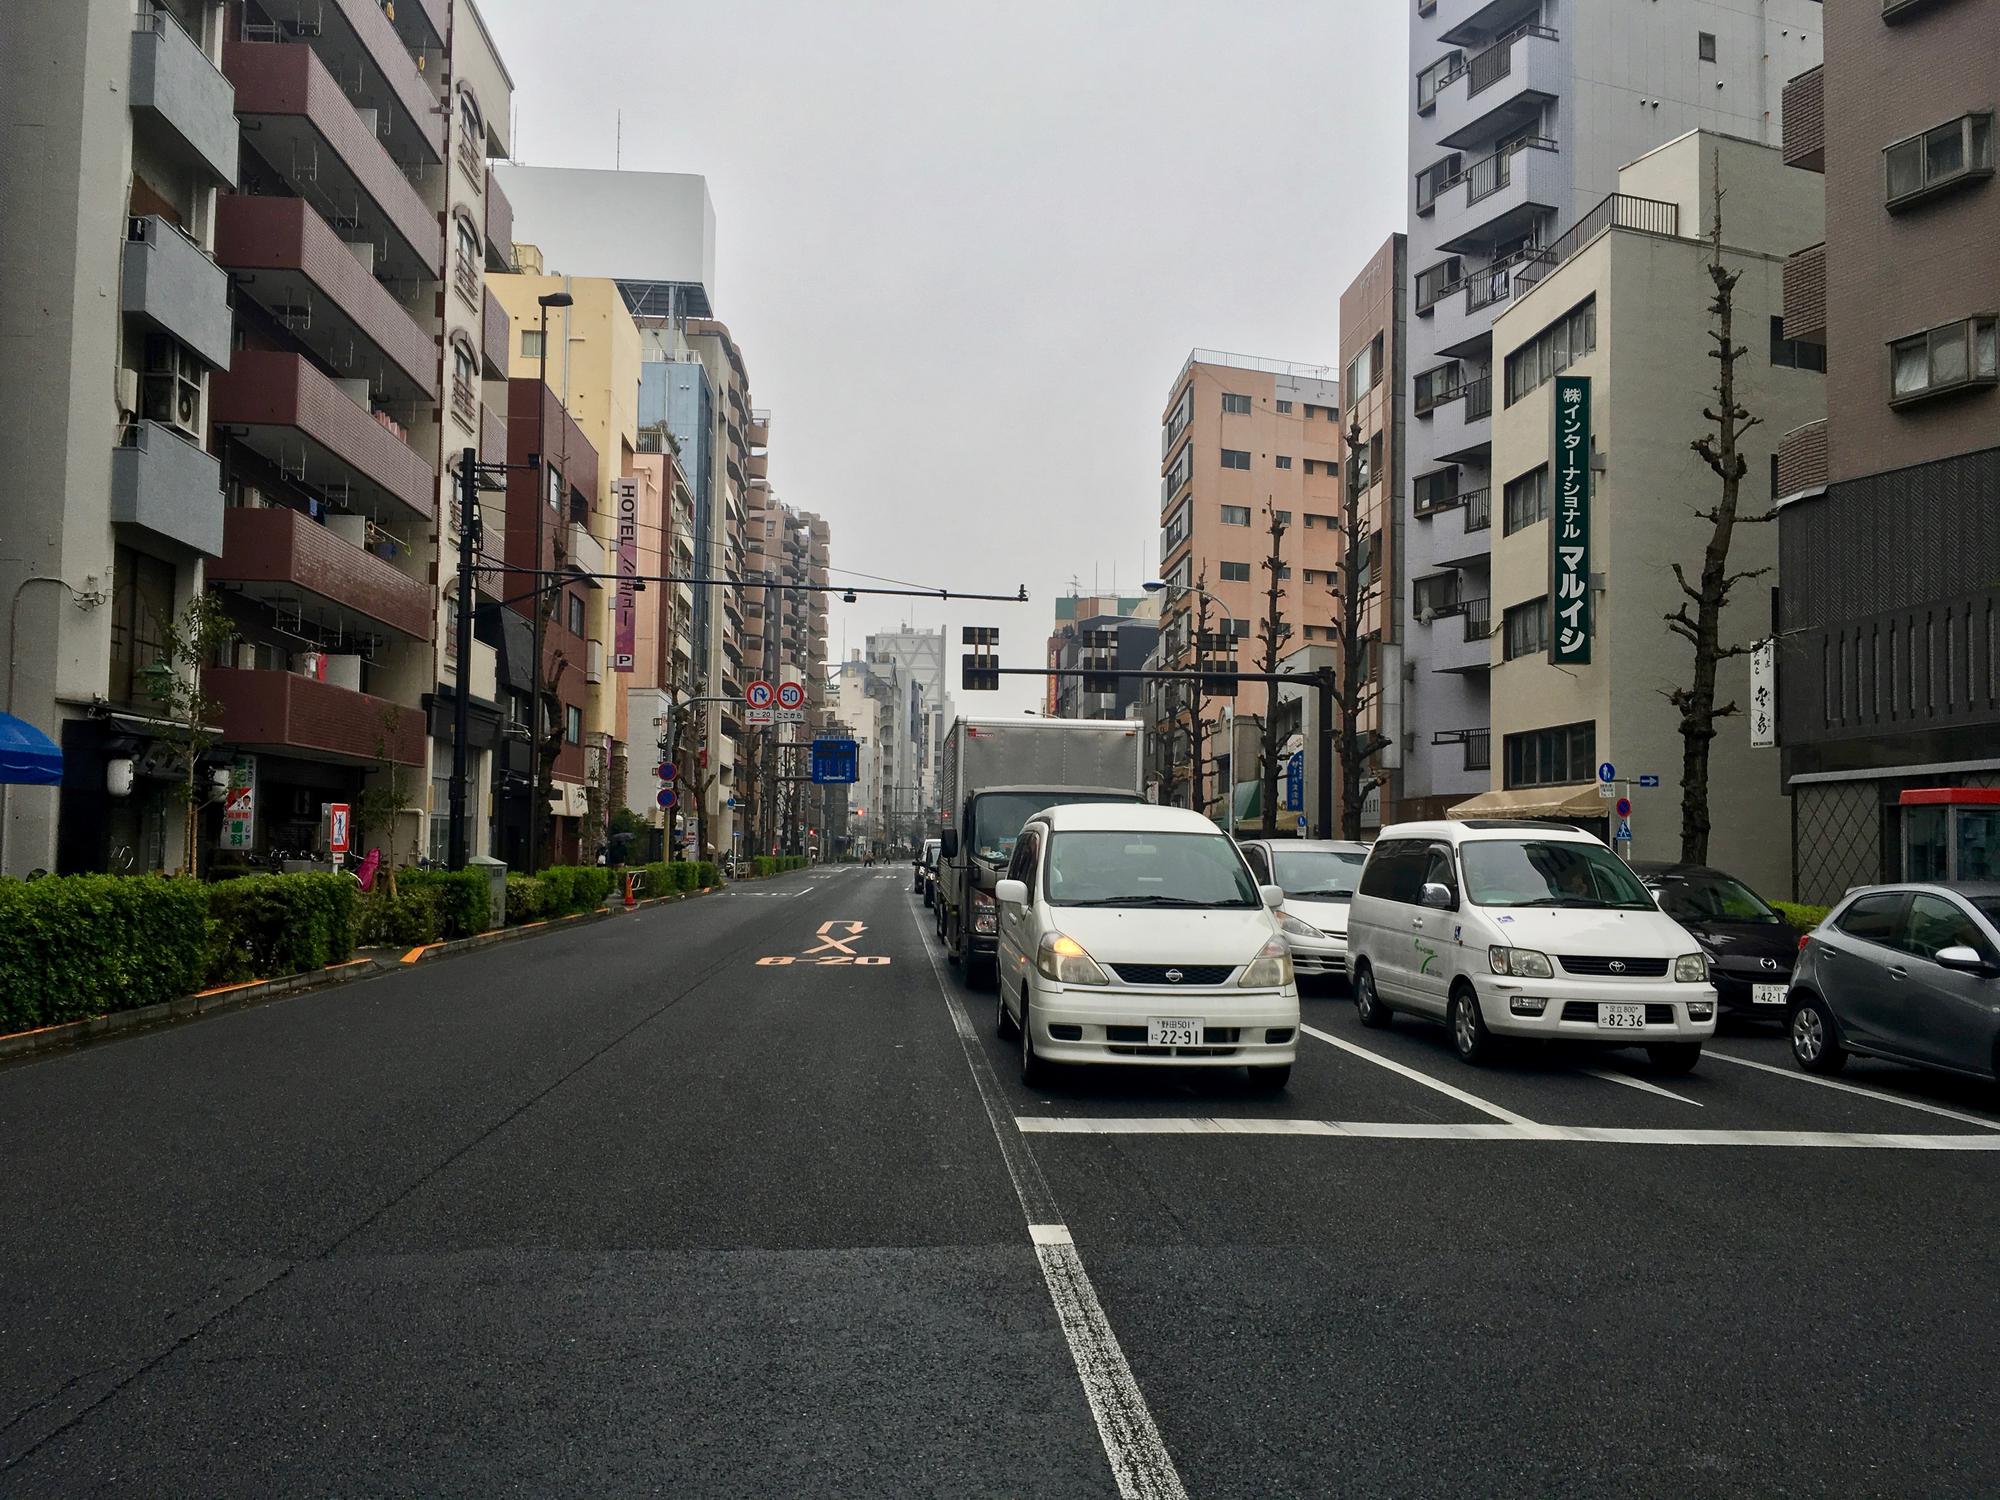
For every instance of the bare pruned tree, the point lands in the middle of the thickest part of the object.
(1697, 619)
(1272, 634)
(1354, 591)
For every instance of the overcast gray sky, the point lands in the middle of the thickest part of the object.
(964, 248)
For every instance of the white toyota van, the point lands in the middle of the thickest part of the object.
(1509, 928)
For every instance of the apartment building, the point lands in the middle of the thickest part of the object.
(290, 445)
(1103, 643)
(662, 667)
(1523, 113)
(1626, 312)
(881, 702)
(1242, 438)
(1888, 683)
(1072, 607)
(921, 656)
(784, 641)
(1374, 362)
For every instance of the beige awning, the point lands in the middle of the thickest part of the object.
(1536, 802)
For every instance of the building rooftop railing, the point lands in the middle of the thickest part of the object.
(1618, 211)
(1256, 362)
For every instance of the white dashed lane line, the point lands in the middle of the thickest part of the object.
(1484, 1106)
(1855, 1088)
(1644, 1085)
(1602, 1135)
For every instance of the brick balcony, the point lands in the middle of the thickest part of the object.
(295, 111)
(1805, 121)
(288, 411)
(1805, 294)
(285, 559)
(1802, 458)
(283, 711)
(353, 29)
(287, 258)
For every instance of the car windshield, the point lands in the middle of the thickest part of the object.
(1712, 898)
(998, 817)
(1317, 874)
(1147, 869)
(1538, 872)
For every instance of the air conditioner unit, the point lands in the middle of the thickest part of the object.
(170, 390)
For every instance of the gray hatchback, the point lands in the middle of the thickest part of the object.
(1905, 972)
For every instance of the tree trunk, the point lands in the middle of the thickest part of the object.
(1275, 632)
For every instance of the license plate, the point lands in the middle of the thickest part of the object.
(1172, 1031)
(1767, 994)
(1622, 1017)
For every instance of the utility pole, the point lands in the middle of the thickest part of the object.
(461, 698)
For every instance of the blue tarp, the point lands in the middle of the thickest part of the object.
(27, 756)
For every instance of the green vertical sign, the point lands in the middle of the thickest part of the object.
(1569, 530)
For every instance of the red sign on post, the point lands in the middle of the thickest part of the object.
(337, 830)
(790, 695)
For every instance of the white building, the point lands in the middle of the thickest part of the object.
(920, 655)
(1524, 112)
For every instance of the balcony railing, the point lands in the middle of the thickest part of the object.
(1618, 211)
(1804, 102)
(1435, 178)
(1435, 387)
(1486, 287)
(1478, 509)
(1478, 616)
(278, 710)
(1437, 282)
(1489, 174)
(1497, 61)
(1479, 399)
(279, 555)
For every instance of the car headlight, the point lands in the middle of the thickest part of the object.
(985, 913)
(1521, 963)
(1691, 968)
(1291, 926)
(1062, 958)
(1271, 969)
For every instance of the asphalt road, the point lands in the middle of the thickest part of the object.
(624, 1210)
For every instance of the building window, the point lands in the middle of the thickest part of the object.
(1235, 515)
(1236, 629)
(1525, 629)
(1705, 46)
(1795, 354)
(576, 613)
(1284, 408)
(1235, 572)
(1553, 350)
(1434, 594)
(1284, 460)
(572, 724)
(1435, 178)
(1552, 757)
(1956, 151)
(1176, 530)
(1360, 371)
(1284, 518)
(1235, 458)
(531, 343)
(1375, 455)
(1435, 491)
(1526, 500)
(1943, 359)
(142, 605)
(1238, 406)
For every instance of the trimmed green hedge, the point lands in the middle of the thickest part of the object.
(527, 900)
(1801, 915)
(464, 899)
(80, 945)
(574, 888)
(266, 926)
(776, 864)
(409, 919)
(664, 877)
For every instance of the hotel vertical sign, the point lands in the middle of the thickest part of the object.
(625, 624)
(1569, 529)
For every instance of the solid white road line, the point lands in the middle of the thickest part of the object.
(1484, 1106)
(1644, 1085)
(1854, 1088)
(1574, 1134)
(1140, 1463)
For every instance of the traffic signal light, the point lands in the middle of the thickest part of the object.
(979, 672)
(1219, 683)
(979, 635)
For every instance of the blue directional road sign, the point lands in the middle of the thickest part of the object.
(1649, 780)
(1295, 781)
(836, 762)
(1607, 772)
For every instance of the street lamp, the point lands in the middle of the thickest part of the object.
(536, 813)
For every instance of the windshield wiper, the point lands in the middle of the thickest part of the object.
(1589, 902)
(1335, 893)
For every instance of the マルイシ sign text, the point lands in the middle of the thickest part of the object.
(1569, 531)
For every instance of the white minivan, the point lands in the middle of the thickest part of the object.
(1136, 934)
(1512, 928)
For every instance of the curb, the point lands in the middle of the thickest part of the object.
(230, 997)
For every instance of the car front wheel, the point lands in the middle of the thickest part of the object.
(1270, 1080)
(1469, 1037)
(1034, 1072)
(1815, 1047)
(1367, 1002)
(1674, 1057)
(1003, 1024)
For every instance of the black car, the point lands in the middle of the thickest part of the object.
(1750, 947)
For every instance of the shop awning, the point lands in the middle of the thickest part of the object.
(1536, 802)
(27, 756)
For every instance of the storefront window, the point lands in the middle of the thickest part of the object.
(1925, 841)
(1977, 840)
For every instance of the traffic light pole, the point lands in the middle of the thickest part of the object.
(1321, 680)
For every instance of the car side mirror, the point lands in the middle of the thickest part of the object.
(1273, 896)
(948, 843)
(1011, 893)
(1438, 897)
(1965, 960)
